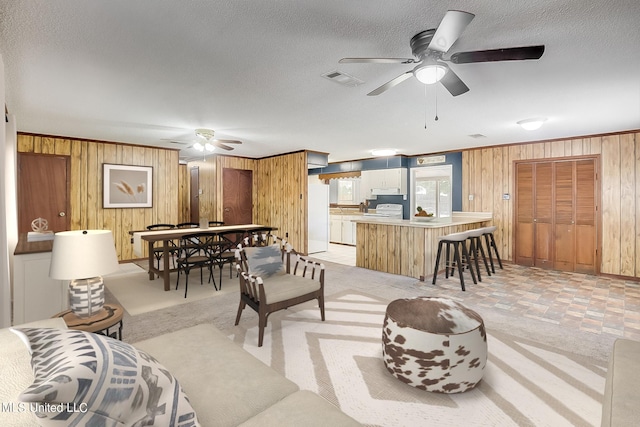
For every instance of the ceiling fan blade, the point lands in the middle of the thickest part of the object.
(227, 141)
(450, 28)
(377, 61)
(391, 83)
(224, 147)
(453, 84)
(508, 54)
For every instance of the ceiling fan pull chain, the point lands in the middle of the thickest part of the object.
(425, 107)
(436, 90)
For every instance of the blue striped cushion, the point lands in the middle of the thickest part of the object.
(88, 379)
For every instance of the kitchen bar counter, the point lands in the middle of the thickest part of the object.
(408, 247)
(459, 218)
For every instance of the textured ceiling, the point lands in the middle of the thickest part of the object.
(146, 71)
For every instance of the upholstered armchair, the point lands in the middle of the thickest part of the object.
(269, 283)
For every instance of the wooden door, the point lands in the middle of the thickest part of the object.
(586, 219)
(564, 207)
(194, 194)
(556, 214)
(524, 230)
(543, 215)
(237, 195)
(43, 191)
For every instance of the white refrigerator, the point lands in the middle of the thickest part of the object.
(318, 224)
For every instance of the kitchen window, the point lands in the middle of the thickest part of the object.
(432, 190)
(344, 191)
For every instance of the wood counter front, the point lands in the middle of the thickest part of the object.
(407, 247)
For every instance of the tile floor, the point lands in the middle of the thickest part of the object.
(595, 304)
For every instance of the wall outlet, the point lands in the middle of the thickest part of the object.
(470, 196)
(506, 196)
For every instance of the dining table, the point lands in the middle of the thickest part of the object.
(166, 236)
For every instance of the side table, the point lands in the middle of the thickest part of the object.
(100, 323)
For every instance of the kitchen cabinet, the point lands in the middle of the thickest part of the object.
(342, 229)
(335, 228)
(384, 181)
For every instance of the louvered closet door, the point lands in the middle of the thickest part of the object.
(543, 215)
(564, 207)
(586, 216)
(556, 215)
(524, 214)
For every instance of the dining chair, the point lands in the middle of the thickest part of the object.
(260, 237)
(227, 244)
(188, 225)
(157, 250)
(196, 250)
(216, 223)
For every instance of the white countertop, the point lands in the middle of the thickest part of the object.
(459, 218)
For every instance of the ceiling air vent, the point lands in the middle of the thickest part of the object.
(342, 78)
(477, 136)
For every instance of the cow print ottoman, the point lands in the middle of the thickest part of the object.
(434, 344)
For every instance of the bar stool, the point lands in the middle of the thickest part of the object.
(460, 256)
(476, 248)
(491, 243)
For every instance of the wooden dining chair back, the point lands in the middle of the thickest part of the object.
(196, 250)
(269, 283)
(158, 250)
(260, 237)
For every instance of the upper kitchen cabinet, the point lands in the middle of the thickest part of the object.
(384, 182)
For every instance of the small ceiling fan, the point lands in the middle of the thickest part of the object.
(429, 46)
(205, 141)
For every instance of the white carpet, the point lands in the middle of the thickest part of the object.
(525, 383)
(137, 294)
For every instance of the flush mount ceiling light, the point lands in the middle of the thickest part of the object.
(383, 152)
(430, 71)
(532, 124)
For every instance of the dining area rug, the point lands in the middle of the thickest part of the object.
(134, 291)
(525, 383)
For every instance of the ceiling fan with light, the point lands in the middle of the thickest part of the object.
(429, 46)
(206, 142)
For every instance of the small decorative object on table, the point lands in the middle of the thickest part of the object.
(423, 216)
(40, 227)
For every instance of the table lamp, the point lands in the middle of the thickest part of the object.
(82, 256)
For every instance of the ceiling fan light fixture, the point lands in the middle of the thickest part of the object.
(198, 146)
(532, 124)
(209, 147)
(430, 72)
(383, 152)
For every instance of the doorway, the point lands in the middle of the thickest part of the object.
(556, 214)
(237, 196)
(43, 191)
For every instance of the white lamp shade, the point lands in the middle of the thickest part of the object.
(82, 254)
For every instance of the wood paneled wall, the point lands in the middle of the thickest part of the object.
(283, 196)
(184, 201)
(487, 174)
(279, 192)
(87, 158)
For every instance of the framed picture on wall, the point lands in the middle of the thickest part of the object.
(127, 186)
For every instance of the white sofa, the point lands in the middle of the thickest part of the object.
(620, 404)
(226, 385)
